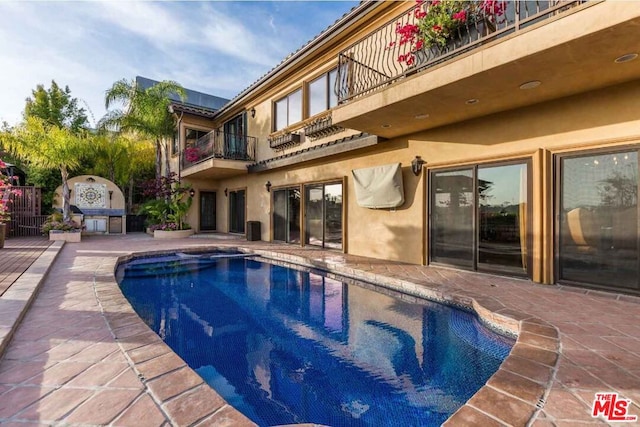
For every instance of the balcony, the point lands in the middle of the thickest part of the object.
(217, 155)
(390, 88)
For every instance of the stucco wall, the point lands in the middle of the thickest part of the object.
(604, 118)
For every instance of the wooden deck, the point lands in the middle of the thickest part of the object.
(17, 255)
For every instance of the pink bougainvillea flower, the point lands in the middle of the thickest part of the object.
(460, 16)
(437, 28)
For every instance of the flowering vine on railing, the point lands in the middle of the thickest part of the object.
(6, 191)
(192, 154)
(438, 21)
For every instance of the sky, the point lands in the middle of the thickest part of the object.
(215, 47)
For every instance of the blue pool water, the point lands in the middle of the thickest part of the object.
(285, 346)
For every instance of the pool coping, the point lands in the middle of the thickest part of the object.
(512, 396)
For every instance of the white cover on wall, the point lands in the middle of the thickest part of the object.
(379, 186)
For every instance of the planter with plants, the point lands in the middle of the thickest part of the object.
(58, 229)
(166, 213)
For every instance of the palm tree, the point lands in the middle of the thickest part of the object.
(146, 111)
(47, 146)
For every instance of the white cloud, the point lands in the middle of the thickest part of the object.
(214, 47)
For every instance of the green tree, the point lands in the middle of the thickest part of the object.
(47, 146)
(146, 111)
(124, 158)
(56, 107)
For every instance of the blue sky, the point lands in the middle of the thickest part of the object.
(214, 47)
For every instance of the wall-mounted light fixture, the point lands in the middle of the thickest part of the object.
(91, 179)
(226, 192)
(416, 165)
(253, 113)
(110, 194)
(192, 192)
(268, 186)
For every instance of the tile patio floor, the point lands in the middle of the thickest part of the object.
(80, 355)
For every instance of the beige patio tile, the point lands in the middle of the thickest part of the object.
(143, 410)
(174, 383)
(226, 417)
(19, 398)
(103, 407)
(98, 374)
(193, 405)
(56, 405)
(160, 365)
(59, 374)
(501, 406)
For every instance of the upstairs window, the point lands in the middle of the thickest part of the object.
(192, 136)
(288, 110)
(322, 95)
(175, 146)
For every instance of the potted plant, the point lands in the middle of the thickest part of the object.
(6, 191)
(59, 229)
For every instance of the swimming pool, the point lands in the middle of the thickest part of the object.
(286, 346)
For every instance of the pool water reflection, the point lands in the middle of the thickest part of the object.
(285, 346)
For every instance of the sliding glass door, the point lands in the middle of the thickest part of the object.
(479, 218)
(597, 238)
(286, 215)
(452, 217)
(502, 218)
(323, 215)
(207, 211)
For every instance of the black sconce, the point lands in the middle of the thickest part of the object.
(192, 192)
(416, 165)
(268, 186)
(226, 192)
(253, 113)
(110, 194)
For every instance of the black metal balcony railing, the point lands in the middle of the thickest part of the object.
(380, 59)
(220, 145)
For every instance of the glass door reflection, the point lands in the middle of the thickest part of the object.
(598, 220)
(502, 217)
(323, 213)
(452, 217)
(286, 215)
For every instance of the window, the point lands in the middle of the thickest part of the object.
(175, 144)
(322, 95)
(192, 136)
(288, 110)
(235, 143)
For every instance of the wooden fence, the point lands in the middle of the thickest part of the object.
(26, 210)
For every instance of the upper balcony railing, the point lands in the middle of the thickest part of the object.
(220, 145)
(432, 32)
